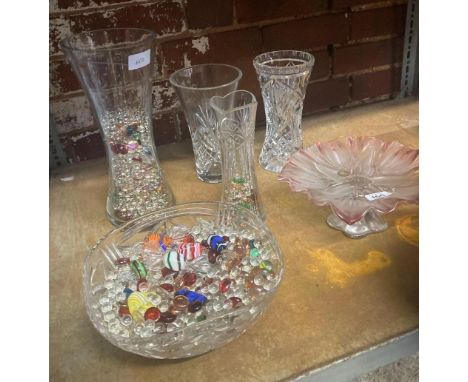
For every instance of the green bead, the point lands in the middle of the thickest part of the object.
(239, 180)
(139, 268)
(201, 317)
(246, 205)
(267, 265)
(254, 252)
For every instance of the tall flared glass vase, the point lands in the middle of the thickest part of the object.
(283, 77)
(114, 67)
(194, 87)
(235, 115)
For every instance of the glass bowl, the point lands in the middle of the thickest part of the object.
(360, 178)
(181, 281)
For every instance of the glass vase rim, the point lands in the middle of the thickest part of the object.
(64, 43)
(232, 109)
(175, 84)
(261, 61)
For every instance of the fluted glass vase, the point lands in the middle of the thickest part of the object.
(235, 115)
(283, 77)
(114, 67)
(194, 87)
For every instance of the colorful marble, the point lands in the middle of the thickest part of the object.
(139, 269)
(174, 261)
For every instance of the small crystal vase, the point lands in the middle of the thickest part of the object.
(114, 67)
(194, 87)
(235, 114)
(283, 77)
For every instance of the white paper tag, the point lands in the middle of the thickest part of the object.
(139, 60)
(377, 195)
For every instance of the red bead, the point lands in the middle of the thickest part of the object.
(188, 239)
(195, 306)
(224, 285)
(212, 255)
(189, 278)
(167, 317)
(142, 285)
(122, 261)
(236, 302)
(166, 272)
(118, 148)
(124, 311)
(152, 314)
(168, 287)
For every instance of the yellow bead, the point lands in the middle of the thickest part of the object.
(138, 303)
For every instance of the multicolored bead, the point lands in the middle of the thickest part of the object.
(174, 260)
(218, 243)
(190, 251)
(138, 303)
(139, 269)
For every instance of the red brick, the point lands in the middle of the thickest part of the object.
(378, 22)
(352, 58)
(162, 17)
(375, 84)
(78, 4)
(306, 33)
(165, 128)
(72, 114)
(62, 79)
(164, 96)
(83, 146)
(326, 94)
(251, 11)
(209, 13)
(227, 47)
(340, 4)
(321, 67)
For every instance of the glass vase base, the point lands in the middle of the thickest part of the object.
(210, 178)
(371, 222)
(272, 165)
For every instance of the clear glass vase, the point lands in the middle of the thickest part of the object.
(194, 87)
(235, 114)
(283, 77)
(114, 67)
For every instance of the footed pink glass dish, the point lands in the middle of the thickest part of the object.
(360, 178)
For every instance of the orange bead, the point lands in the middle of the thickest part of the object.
(152, 242)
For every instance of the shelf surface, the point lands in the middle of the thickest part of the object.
(339, 296)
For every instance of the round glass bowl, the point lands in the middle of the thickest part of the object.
(182, 281)
(360, 178)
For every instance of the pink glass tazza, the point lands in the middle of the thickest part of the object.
(359, 177)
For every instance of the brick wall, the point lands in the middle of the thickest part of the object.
(357, 44)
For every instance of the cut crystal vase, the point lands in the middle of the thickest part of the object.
(235, 113)
(114, 67)
(283, 77)
(194, 87)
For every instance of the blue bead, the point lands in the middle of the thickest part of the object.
(215, 240)
(128, 292)
(191, 296)
(251, 244)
